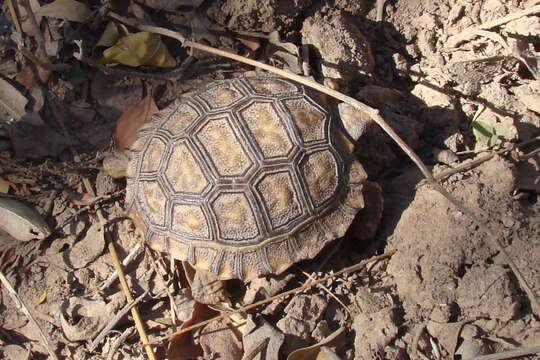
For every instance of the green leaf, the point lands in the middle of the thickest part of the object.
(482, 131)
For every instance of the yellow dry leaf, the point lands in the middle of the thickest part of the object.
(139, 49)
(42, 297)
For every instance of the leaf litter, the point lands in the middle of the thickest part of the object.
(446, 103)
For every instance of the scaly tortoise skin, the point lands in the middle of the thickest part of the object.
(244, 178)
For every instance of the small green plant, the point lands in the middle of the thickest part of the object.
(489, 134)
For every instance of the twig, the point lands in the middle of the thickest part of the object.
(470, 32)
(133, 253)
(22, 307)
(134, 312)
(170, 75)
(119, 342)
(510, 17)
(172, 303)
(97, 201)
(510, 354)
(112, 323)
(247, 308)
(322, 286)
(375, 116)
(481, 159)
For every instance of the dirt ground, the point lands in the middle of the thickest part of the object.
(458, 80)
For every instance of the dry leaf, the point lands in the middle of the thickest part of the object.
(180, 346)
(70, 10)
(12, 101)
(22, 222)
(4, 185)
(253, 45)
(139, 49)
(314, 351)
(42, 297)
(110, 35)
(131, 120)
(25, 20)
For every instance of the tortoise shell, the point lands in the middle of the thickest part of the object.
(243, 178)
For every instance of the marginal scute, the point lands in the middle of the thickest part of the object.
(190, 221)
(309, 120)
(152, 155)
(235, 219)
(153, 201)
(184, 172)
(267, 129)
(320, 171)
(224, 148)
(280, 198)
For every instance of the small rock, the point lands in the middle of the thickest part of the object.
(302, 315)
(88, 249)
(105, 184)
(15, 352)
(207, 288)
(469, 331)
(219, 341)
(374, 332)
(115, 164)
(258, 334)
(344, 49)
(322, 330)
(529, 95)
(470, 349)
(82, 319)
(266, 287)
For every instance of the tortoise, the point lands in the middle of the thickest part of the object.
(245, 177)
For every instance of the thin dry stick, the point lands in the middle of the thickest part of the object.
(133, 253)
(301, 288)
(325, 289)
(22, 307)
(112, 323)
(481, 159)
(510, 354)
(374, 114)
(134, 312)
(470, 32)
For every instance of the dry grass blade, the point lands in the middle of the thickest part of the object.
(374, 114)
(134, 312)
(22, 307)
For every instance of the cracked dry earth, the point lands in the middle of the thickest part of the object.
(447, 292)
